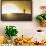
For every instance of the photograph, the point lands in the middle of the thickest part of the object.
(15, 10)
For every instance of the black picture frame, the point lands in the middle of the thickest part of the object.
(19, 16)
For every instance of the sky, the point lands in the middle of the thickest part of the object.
(16, 7)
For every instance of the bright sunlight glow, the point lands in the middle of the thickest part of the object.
(10, 8)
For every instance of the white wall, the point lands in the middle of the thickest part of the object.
(27, 28)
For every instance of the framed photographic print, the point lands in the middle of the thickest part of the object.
(16, 10)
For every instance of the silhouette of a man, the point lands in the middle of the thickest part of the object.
(24, 11)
